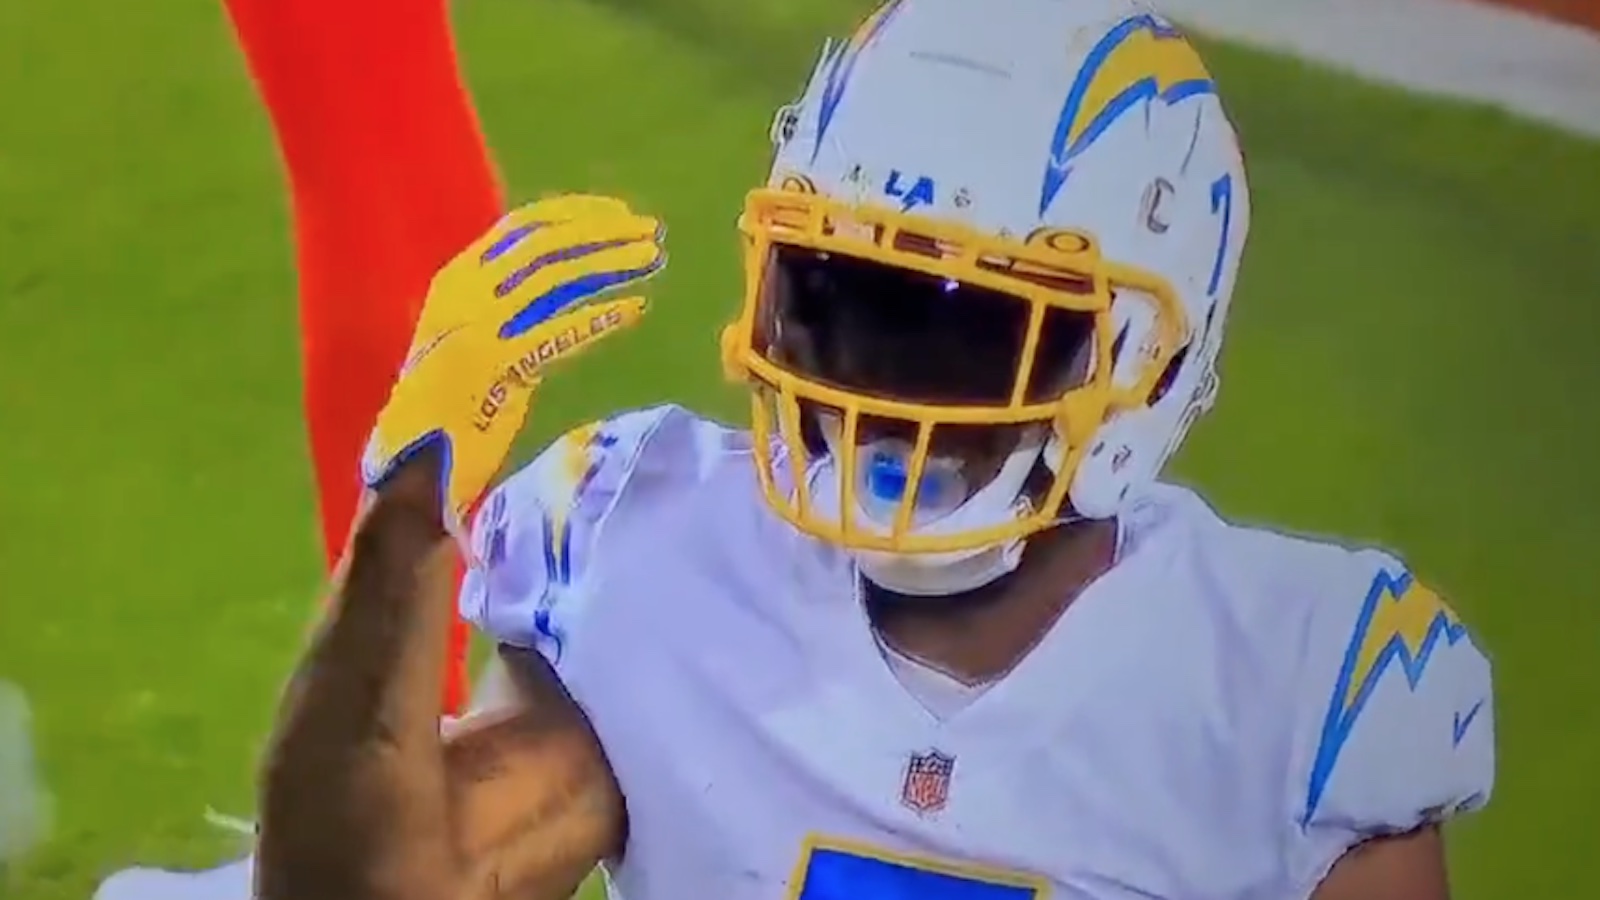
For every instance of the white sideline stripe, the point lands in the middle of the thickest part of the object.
(1533, 67)
(235, 824)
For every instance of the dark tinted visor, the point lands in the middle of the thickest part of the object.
(896, 334)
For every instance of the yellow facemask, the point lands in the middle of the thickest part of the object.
(1051, 270)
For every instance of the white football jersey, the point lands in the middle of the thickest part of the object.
(1221, 715)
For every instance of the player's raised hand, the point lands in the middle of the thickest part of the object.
(534, 290)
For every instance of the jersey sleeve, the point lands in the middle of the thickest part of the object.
(1398, 712)
(535, 536)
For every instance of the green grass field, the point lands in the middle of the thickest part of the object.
(1411, 362)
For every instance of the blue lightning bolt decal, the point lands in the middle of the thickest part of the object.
(1401, 624)
(1140, 60)
(843, 65)
(582, 451)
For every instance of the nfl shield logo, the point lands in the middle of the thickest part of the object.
(927, 783)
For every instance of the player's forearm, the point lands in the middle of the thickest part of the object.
(354, 802)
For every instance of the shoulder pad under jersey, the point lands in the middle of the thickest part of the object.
(1396, 718)
(535, 535)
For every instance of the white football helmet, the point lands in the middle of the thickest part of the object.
(987, 279)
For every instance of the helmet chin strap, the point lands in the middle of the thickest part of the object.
(940, 574)
(917, 576)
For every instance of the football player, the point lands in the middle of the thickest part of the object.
(932, 626)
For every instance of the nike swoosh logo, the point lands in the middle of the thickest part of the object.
(1464, 722)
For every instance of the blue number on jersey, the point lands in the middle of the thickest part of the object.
(836, 872)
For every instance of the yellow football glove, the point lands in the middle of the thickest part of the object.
(518, 299)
